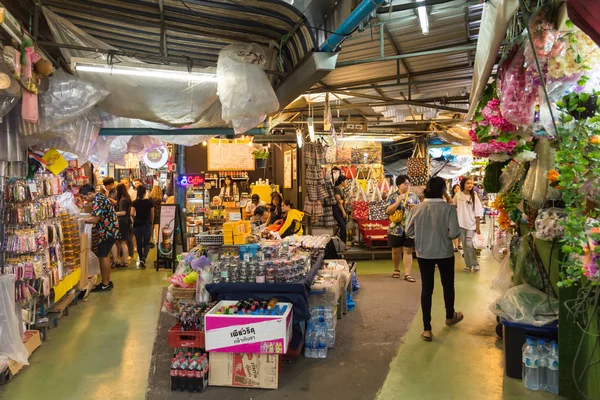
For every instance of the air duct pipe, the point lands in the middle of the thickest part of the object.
(360, 13)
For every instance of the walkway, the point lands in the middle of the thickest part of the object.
(102, 350)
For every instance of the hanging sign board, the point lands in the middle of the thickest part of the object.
(166, 229)
(156, 158)
(226, 155)
(56, 162)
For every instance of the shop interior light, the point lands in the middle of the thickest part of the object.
(367, 139)
(299, 139)
(423, 19)
(205, 143)
(311, 128)
(164, 72)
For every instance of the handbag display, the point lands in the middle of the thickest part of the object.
(377, 206)
(417, 170)
(360, 207)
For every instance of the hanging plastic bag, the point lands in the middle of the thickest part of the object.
(535, 187)
(503, 280)
(244, 89)
(66, 201)
(11, 341)
(526, 305)
(479, 242)
(93, 264)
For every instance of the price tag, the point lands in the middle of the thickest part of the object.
(32, 188)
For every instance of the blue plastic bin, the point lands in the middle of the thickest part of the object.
(514, 336)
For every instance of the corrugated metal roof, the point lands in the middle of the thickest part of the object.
(198, 29)
(451, 24)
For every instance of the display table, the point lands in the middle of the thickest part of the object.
(295, 293)
(264, 192)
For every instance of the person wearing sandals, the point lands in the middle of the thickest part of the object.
(124, 217)
(399, 205)
(434, 224)
(470, 212)
(455, 191)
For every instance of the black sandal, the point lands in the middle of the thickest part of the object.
(396, 274)
(409, 278)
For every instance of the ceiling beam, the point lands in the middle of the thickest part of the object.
(431, 52)
(357, 106)
(352, 84)
(412, 6)
(163, 30)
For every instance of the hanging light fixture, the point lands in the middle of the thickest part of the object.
(423, 19)
(299, 139)
(311, 128)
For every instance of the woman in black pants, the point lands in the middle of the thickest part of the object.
(339, 209)
(434, 225)
(142, 210)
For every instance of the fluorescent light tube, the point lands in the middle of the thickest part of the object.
(299, 138)
(423, 19)
(311, 128)
(150, 72)
(366, 139)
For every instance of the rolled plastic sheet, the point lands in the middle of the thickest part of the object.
(11, 340)
(118, 149)
(245, 92)
(100, 150)
(140, 145)
(175, 104)
(12, 146)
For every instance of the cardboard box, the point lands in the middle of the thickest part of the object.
(244, 370)
(260, 334)
(32, 340)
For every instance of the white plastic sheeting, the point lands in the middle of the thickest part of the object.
(245, 91)
(174, 103)
(11, 340)
(496, 17)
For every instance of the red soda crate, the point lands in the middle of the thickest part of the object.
(178, 338)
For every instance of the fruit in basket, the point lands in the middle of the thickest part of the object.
(191, 278)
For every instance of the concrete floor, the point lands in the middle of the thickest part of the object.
(102, 350)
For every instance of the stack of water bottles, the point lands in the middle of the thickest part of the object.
(320, 332)
(540, 365)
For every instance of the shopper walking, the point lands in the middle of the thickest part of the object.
(104, 218)
(111, 193)
(339, 210)
(434, 224)
(124, 217)
(143, 215)
(455, 191)
(132, 195)
(399, 205)
(470, 212)
(156, 197)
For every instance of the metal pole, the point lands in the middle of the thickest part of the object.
(381, 43)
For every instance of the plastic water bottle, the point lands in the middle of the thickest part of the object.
(310, 342)
(552, 379)
(543, 353)
(322, 342)
(531, 363)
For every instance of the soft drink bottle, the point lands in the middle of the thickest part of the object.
(175, 374)
(191, 376)
(531, 363)
(272, 303)
(183, 381)
(552, 377)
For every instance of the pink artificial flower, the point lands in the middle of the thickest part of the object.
(473, 136)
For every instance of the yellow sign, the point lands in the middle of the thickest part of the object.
(56, 162)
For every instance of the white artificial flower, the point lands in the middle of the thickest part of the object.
(525, 156)
(500, 157)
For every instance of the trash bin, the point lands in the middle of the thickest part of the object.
(514, 335)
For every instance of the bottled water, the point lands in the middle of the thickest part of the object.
(552, 376)
(321, 342)
(309, 346)
(531, 363)
(543, 350)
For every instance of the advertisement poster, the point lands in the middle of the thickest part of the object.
(166, 229)
(295, 164)
(287, 169)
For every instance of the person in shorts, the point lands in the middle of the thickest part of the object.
(105, 219)
(401, 201)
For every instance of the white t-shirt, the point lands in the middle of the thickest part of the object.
(466, 211)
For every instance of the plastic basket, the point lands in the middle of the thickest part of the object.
(189, 339)
(209, 240)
